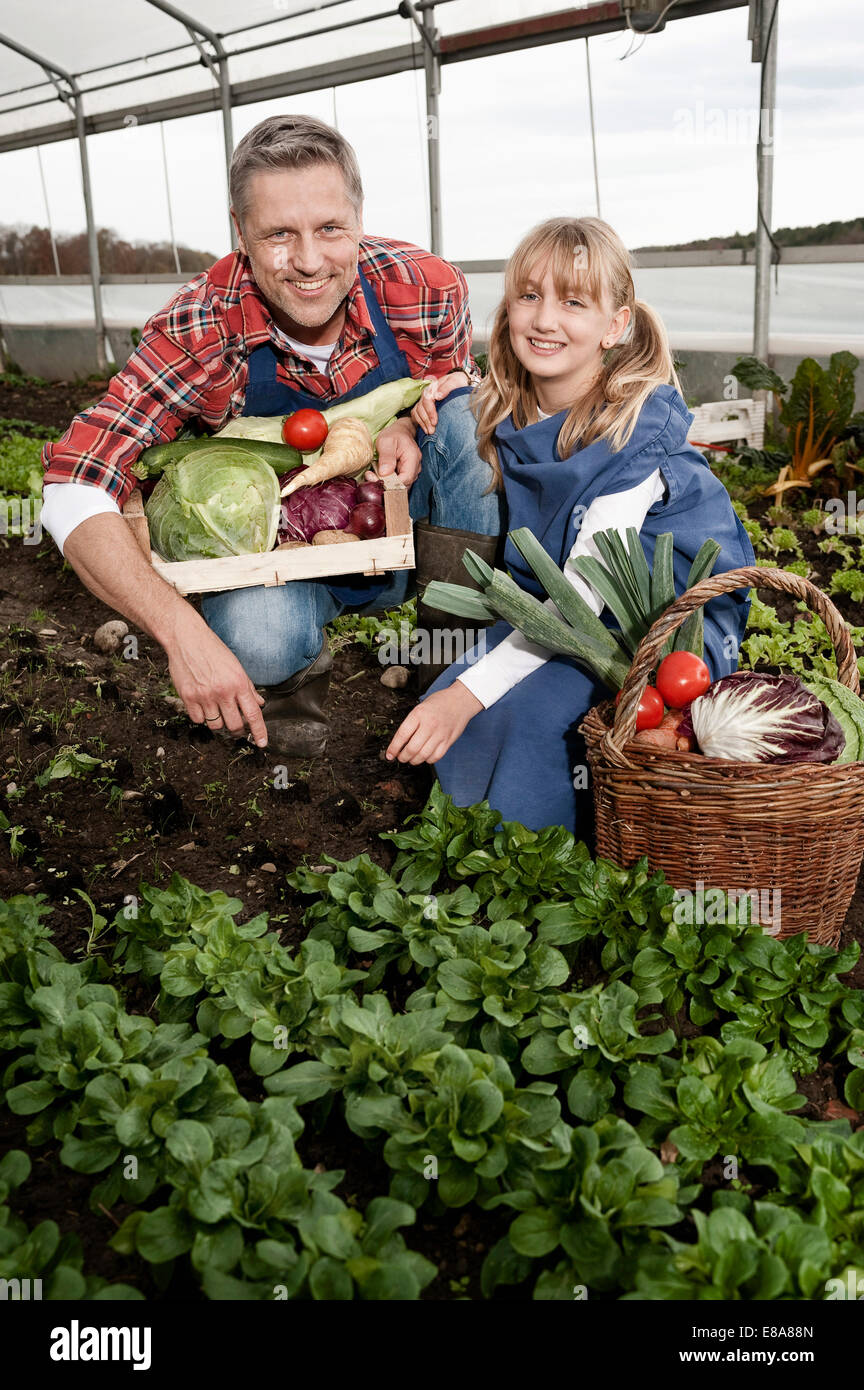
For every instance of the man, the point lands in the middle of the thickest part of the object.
(308, 311)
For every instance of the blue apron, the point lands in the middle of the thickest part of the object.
(266, 395)
(519, 754)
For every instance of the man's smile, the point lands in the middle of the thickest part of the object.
(309, 287)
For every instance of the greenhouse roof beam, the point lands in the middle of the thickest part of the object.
(553, 28)
(311, 79)
(560, 27)
(178, 48)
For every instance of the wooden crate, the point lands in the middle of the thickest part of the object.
(392, 551)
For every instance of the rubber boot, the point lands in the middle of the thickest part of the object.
(438, 555)
(294, 712)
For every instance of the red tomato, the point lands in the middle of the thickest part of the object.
(681, 677)
(305, 430)
(650, 711)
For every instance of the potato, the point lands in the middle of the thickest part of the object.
(658, 738)
(332, 537)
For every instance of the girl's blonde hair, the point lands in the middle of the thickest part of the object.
(586, 257)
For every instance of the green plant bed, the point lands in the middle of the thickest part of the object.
(507, 1028)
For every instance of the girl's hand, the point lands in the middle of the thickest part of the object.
(434, 725)
(424, 413)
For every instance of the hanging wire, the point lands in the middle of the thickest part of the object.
(634, 47)
(47, 211)
(168, 200)
(661, 16)
(593, 132)
(643, 33)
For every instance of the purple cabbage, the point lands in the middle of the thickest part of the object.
(751, 717)
(324, 507)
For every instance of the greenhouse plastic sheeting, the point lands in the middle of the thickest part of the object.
(145, 56)
(688, 300)
(66, 304)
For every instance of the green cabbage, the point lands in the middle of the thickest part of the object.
(214, 502)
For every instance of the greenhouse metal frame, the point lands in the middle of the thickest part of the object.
(309, 29)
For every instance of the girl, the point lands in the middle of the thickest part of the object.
(582, 420)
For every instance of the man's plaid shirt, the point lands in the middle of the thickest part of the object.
(191, 360)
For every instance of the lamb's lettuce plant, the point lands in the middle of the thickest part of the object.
(40, 1254)
(596, 1209)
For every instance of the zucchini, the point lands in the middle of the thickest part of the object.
(153, 461)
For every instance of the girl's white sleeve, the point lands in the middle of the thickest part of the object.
(515, 658)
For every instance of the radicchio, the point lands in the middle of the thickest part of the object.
(753, 717)
(325, 507)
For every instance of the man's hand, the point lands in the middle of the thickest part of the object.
(207, 675)
(434, 725)
(211, 682)
(398, 452)
(425, 413)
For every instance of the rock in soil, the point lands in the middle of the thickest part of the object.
(395, 677)
(109, 637)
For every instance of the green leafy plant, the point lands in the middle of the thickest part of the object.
(775, 1254)
(528, 976)
(850, 583)
(499, 973)
(802, 646)
(596, 1209)
(585, 1035)
(41, 1255)
(373, 629)
(20, 464)
(815, 409)
(69, 761)
(730, 1099)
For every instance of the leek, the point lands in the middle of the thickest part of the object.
(634, 594)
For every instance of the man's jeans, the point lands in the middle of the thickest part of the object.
(275, 632)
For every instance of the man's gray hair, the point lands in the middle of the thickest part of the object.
(291, 142)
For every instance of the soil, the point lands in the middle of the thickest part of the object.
(52, 405)
(171, 796)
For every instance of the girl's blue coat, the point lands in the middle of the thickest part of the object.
(520, 754)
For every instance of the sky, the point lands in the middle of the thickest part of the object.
(675, 127)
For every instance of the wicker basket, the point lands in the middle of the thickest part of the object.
(796, 827)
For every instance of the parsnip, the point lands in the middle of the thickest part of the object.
(348, 450)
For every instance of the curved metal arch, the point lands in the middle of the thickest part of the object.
(219, 68)
(73, 98)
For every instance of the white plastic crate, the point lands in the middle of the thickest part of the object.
(728, 422)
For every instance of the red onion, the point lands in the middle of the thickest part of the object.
(367, 521)
(371, 492)
(325, 507)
